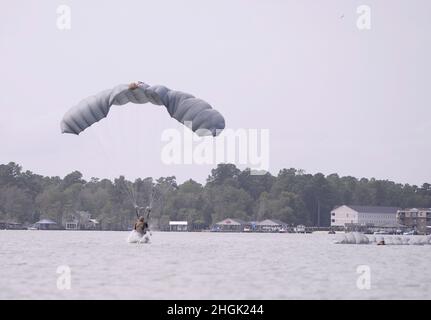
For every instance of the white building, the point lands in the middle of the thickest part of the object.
(178, 226)
(418, 219)
(80, 220)
(364, 215)
(270, 225)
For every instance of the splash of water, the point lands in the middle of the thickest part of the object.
(352, 238)
(136, 237)
(359, 238)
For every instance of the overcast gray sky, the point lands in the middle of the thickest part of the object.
(335, 98)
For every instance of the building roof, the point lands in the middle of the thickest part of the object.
(271, 222)
(231, 222)
(11, 223)
(415, 209)
(46, 221)
(373, 209)
(178, 223)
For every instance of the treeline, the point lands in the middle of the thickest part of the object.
(292, 196)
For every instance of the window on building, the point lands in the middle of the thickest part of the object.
(333, 220)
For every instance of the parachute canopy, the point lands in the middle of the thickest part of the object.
(184, 107)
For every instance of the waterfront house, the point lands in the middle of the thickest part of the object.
(178, 226)
(9, 225)
(416, 219)
(370, 216)
(229, 225)
(46, 224)
(80, 220)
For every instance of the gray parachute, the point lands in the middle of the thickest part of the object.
(194, 112)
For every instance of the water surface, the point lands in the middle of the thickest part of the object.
(207, 266)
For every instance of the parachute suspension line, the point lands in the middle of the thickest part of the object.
(153, 190)
(148, 215)
(129, 191)
(132, 191)
(130, 196)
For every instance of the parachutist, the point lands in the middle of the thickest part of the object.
(141, 226)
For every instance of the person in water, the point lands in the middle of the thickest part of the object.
(381, 243)
(141, 226)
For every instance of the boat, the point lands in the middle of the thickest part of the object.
(300, 229)
(381, 232)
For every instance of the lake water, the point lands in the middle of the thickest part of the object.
(207, 266)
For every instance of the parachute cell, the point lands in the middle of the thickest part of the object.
(181, 106)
